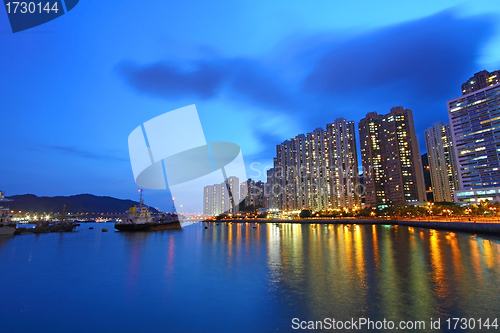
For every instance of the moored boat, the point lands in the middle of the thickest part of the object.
(43, 227)
(139, 218)
(7, 227)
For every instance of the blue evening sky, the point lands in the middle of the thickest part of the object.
(259, 72)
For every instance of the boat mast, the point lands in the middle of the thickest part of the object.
(63, 213)
(140, 198)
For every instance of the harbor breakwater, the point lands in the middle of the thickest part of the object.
(470, 227)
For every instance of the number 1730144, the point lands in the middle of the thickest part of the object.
(31, 7)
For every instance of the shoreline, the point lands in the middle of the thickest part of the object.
(491, 228)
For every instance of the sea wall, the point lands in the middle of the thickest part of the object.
(482, 228)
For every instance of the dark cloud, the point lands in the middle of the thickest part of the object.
(201, 79)
(244, 79)
(418, 64)
(256, 83)
(269, 139)
(79, 152)
(427, 57)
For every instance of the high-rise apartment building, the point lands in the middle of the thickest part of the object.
(370, 137)
(391, 158)
(271, 190)
(317, 171)
(222, 198)
(215, 199)
(442, 162)
(208, 201)
(344, 181)
(254, 193)
(475, 124)
(480, 80)
(429, 195)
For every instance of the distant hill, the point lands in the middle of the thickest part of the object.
(81, 203)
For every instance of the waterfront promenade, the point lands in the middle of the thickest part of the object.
(476, 225)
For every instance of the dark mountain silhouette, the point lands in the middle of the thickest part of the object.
(81, 203)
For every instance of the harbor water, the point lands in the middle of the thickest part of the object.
(244, 278)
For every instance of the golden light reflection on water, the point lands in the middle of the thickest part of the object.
(375, 245)
(229, 233)
(496, 247)
(390, 286)
(419, 284)
(439, 273)
(346, 240)
(456, 254)
(476, 259)
(360, 260)
(488, 254)
(238, 240)
(344, 270)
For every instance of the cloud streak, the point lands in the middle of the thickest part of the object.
(200, 79)
(79, 152)
(418, 64)
(423, 57)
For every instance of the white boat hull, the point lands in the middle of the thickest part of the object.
(7, 230)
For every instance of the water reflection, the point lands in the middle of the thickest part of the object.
(346, 271)
(4, 240)
(244, 277)
(169, 267)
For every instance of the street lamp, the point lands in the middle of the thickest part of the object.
(493, 211)
(429, 208)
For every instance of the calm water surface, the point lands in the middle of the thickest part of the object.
(236, 278)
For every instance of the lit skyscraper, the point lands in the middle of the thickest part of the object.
(475, 124)
(221, 198)
(370, 133)
(270, 191)
(391, 158)
(317, 171)
(344, 179)
(214, 199)
(480, 80)
(254, 193)
(208, 201)
(442, 161)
